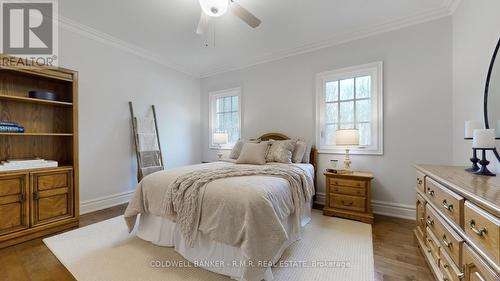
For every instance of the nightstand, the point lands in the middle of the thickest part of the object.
(349, 196)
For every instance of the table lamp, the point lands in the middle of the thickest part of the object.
(347, 138)
(219, 139)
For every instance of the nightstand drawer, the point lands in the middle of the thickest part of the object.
(345, 182)
(348, 190)
(346, 202)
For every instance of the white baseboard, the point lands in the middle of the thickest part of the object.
(394, 209)
(383, 208)
(105, 202)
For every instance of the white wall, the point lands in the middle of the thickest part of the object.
(279, 96)
(476, 29)
(108, 79)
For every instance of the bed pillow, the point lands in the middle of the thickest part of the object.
(280, 151)
(307, 154)
(235, 152)
(299, 151)
(253, 153)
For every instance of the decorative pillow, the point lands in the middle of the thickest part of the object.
(235, 152)
(307, 154)
(253, 153)
(280, 151)
(299, 151)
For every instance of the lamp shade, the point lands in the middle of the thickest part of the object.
(484, 139)
(347, 137)
(214, 8)
(220, 138)
(470, 126)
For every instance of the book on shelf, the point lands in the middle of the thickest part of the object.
(23, 164)
(11, 129)
(9, 124)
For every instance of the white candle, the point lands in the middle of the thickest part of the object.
(498, 129)
(470, 126)
(483, 138)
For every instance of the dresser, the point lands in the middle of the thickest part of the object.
(349, 196)
(458, 225)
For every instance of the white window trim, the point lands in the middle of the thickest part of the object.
(375, 69)
(211, 113)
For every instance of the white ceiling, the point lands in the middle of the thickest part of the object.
(164, 30)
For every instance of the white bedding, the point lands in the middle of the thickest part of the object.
(235, 212)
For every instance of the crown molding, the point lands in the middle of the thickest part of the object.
(99, 36)
(452, 5)
(338, 39)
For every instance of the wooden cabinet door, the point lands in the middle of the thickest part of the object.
(14, 208)
(52, 196)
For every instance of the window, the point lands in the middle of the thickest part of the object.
(350, 98)
(225, 115)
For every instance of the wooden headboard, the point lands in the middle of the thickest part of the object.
(277, 136)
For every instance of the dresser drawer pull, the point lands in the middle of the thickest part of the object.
(430, 221)
(22, 197)
(447, 206)
(419, 181)
(446, 243)
(430, 192)
(480, 232)
(348, 203)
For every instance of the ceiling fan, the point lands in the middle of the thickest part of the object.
(216, 8)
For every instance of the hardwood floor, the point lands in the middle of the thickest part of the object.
(397, 256)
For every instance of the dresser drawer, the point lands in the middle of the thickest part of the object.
(476, 269)
(433, 245)
(349, 183)
(420, 208)
(483, 228)
(348, 190)
(449, 268)
(421, 181)
(448, 202)
(347, 202)
(449, 239)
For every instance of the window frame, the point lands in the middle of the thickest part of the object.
(375, 70)
(213, 96)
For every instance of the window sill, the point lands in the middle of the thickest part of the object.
(351, 152)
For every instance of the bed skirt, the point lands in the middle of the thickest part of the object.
(206, 253)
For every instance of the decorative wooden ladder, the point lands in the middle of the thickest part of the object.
(149, 155)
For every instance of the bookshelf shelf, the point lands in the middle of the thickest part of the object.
(37, 134)
(32, 100)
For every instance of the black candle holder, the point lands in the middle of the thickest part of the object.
(474, 160)
(483, 171)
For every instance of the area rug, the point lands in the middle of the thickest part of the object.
(331, 249)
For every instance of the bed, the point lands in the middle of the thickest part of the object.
(242, 224)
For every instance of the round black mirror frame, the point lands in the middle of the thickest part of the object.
(490, 70)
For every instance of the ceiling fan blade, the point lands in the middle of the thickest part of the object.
(244, 15)
(203, 24)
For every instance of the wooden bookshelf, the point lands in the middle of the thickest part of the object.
(37, 202)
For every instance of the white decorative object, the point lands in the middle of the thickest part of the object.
(470, 126)
(219, 139)
(484, 138)
(347, 138)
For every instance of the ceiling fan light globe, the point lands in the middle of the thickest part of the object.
(214, 8)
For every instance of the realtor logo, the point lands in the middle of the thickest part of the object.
(29, 30)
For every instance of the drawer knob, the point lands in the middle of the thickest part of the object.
(447, 206)
(479, 232)
(430, 221)
(36, 196)
(347, 203)
(430, 192)
(446, 243)
(419, 181)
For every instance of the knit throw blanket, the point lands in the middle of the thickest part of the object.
(182, 197)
